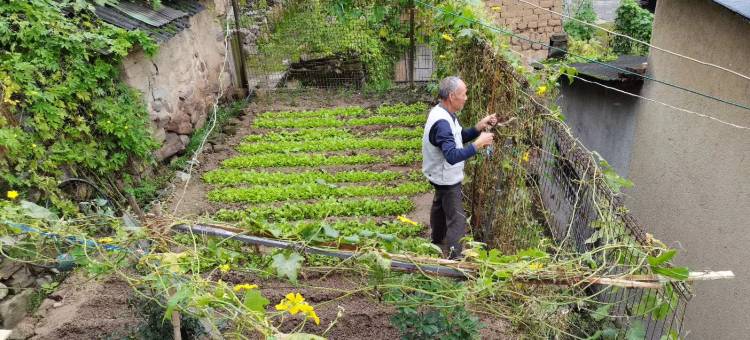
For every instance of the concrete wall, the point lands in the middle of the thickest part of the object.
(602, 119)
(180, 83)
(692, 175)
(529, 21)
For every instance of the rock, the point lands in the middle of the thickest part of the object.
(8, 268)
(183, 176)
(43, 280)
(180, 124)
(57, 305)
(172, 145)
(21, 279)
(159, 93)
(200, 122)
(23, 330)
(185, 94)
(185, 139)
(159, 135)
(220, 148)
(158, 104)
(3, 291)
(13, 310)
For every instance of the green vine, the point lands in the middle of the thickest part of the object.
(64, 111)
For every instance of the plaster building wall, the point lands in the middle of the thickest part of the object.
(691, 174)
(602, 119)
(180, 83)
(529, 21)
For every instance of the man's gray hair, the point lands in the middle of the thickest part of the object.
(447, 86)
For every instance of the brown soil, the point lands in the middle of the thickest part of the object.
(87, 309)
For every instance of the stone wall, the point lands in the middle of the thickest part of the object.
(17, 284)
(180, 83)
(528, 21)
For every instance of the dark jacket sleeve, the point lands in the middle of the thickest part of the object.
(441, 136)
(469, 134)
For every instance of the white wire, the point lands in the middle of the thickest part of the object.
(212, 123)
(638, 41)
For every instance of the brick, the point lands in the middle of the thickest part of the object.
(547, 3)
(544, 17)
(557, 29)
(510, 13)
(554, 22)
(533, 24)
(528, 12)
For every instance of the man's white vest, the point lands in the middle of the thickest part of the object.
(434, 165)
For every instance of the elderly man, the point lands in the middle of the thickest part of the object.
(443, 156)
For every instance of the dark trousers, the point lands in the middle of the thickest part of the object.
(448, 219)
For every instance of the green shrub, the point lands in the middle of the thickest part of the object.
(635, 22)
(583, 12)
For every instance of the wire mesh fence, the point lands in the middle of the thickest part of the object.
(306, 43)
(584, 212)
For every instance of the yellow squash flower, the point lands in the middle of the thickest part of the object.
(105, 240)
(406, 220)
(497, 9)
(244, 286)
(541, 90)
(294, 303)
(535, 266)
(224, 268)
(12, 194)
(447, 37)
(314, 316)
(525, 156)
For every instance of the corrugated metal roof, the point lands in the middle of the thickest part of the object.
(141, 12)
(601, 72)
(162, 24)
(741, 7)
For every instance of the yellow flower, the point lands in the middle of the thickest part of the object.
(535, 266)
(12, 194)
(294, 303)
(105, 240)
(283, 305)
(224, 268)
(541, 90)
(525, 156)
(497, 8)
(244, 286)
(404, 219)
(295, 298)
(447, 37)
(314, 316)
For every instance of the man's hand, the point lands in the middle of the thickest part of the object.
(484, 139)
(486, 122)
